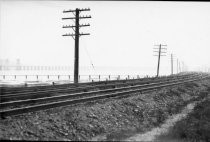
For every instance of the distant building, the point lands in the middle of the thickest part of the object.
(18, 64)
(6, 64)
(1, 64)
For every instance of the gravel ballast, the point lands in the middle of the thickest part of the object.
(108, 119)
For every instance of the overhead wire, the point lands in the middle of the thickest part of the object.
(91, 62)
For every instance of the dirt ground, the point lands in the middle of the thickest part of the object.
(155, 133)
(109, 119)
(195, 127)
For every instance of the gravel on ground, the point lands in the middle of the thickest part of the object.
(107, 119)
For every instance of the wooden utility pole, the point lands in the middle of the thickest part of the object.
(183, 66)
(159, 54)
(172, 64)
(76, 36)
(177, 67)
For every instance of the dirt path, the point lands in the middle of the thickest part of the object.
(151, 135)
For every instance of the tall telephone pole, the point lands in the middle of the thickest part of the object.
(76, 36)
(159, 54)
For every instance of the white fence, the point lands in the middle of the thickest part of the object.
(69, 78)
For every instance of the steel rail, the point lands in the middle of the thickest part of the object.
(40, 88)
(8, 90)
(83, 87)
(48, 93)
(55, 89)
(35, 97)
(56, 86)
(69, 96)
(33, 108)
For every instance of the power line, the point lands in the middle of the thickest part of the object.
(89, 58)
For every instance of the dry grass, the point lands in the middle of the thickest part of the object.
(195, 127)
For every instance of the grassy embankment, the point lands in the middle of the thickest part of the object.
(195, 127)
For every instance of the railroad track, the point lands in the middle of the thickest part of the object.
(16, 90)
(73, 95)
(9, 90)
(31, 94)
(30, 105)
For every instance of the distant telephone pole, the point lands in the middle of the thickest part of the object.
(183, 66)
(177, 65)
(172, 64)
(159, 54)
(76, 36)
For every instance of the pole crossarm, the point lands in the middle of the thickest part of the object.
(161, 45)
(160, 52)
(158, 55)
(161, 48)
(83, 9)
(68, 18)
(75, 34)
(82, 17)
(84, 34)
(73, 26)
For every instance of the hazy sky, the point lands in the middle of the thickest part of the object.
(121, 33)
